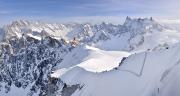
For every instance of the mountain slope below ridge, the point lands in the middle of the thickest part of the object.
(137, 58)
(132, 78)
(92, 59)
(140, 35)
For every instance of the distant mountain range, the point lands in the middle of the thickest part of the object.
(137, 58)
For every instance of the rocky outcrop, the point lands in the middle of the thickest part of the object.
(26, 61)
(31, 64)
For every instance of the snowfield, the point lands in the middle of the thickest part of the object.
(91, 59)
(138, 58)
(142, 74)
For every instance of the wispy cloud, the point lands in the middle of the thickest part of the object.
(74, 9)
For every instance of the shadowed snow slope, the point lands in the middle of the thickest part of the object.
(138, 58)
(127, 79)
(91, 59)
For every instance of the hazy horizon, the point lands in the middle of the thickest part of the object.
(86, 11)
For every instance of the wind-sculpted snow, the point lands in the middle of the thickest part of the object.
(92, 59)
(120, 82)
(137, 58)
(170, 84)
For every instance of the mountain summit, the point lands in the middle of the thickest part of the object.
(51, 59)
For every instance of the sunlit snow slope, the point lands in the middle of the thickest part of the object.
(143, 74)
(138, 58)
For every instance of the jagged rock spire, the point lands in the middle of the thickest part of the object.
(128, 18)
(151, 18)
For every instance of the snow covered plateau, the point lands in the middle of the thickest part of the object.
(138, 58)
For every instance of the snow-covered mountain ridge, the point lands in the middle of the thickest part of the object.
(137, 58)
(134, 33)
(144, 74)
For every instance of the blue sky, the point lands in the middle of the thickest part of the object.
(84, 10)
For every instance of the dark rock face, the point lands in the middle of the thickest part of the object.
(31, 64)
(69, 90)
(26, 62)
